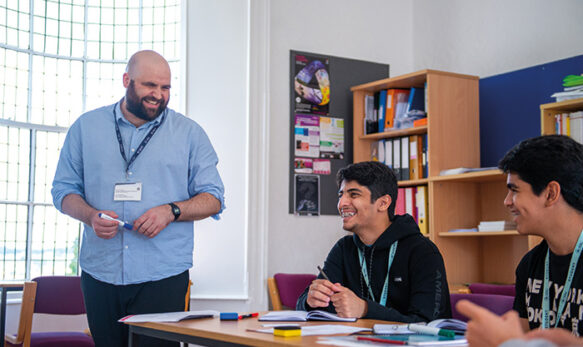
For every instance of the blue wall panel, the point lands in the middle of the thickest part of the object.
(509, 105)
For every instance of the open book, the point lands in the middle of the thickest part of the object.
(168, 316)
(302, 316)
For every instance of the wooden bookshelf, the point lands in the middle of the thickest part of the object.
(455, 201)
(548, 112)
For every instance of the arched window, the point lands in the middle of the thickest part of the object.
(58, 59)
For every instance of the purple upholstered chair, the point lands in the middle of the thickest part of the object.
(498, 304)
(60, 295)
(286, 288)
(498, 289)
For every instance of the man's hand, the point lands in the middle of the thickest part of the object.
(320, 292)
(106, 229)
(154, 220)
(486, 329)
(348, 304)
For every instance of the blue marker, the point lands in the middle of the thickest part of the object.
(123, 224)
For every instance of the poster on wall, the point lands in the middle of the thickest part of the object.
(331, 138)
(311, 85)
(307, 195)
(307, 136)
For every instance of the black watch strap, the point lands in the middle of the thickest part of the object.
(175, 210)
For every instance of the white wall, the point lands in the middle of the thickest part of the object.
(487, 38)
(373, 30)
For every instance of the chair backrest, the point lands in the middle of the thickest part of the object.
(498, 289)
(285, 289)
(498, 304)
(22, 337)
(59, 295)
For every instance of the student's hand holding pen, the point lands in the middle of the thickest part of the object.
(321, 291)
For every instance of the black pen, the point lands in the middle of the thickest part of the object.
(323, 273)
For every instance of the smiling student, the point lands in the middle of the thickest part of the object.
(545, 197)
(386, 269)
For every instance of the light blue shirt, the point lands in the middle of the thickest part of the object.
(177, 163)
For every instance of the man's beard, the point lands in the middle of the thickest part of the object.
(135, 106)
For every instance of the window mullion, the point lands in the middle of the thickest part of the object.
(30, 213)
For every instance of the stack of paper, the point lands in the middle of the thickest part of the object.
(496, 225)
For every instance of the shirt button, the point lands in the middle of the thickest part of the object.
(133, 149)
(126, 247)
(130, 173)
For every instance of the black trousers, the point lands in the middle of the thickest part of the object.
(107, 303)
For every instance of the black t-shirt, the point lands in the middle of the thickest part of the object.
(529, 289)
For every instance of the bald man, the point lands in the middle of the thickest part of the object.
(154, 170)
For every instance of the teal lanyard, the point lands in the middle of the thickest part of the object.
(566, 288)
(385, 292)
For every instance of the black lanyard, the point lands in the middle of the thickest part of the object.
(140, 147)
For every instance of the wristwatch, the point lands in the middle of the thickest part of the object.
(175, 210)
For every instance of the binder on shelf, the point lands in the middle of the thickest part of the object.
(416, 102)
(415, 157)
(382, 107)
(425, 156)
(405, 158)
(371, 125)
(394, 97)
(389, 153)
(381, 150)
(374, 151)
(400, 204)
(410, 206)
(421, 202)
(397, 157)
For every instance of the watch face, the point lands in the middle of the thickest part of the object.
(175, 210)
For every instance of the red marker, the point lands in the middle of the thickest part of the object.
(376, 339)
(250, 315)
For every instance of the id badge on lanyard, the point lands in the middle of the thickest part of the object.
(128, 192)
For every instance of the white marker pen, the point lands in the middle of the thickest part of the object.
(122, 223)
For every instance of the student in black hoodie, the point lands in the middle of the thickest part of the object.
(386, 269)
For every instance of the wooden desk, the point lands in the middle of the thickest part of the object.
(214, 332)
(4, 288)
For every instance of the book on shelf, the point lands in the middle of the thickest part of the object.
(461, 170)
(420, 122)
(570, 124)
(303, 316)
(568, 95)
(496, 225)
